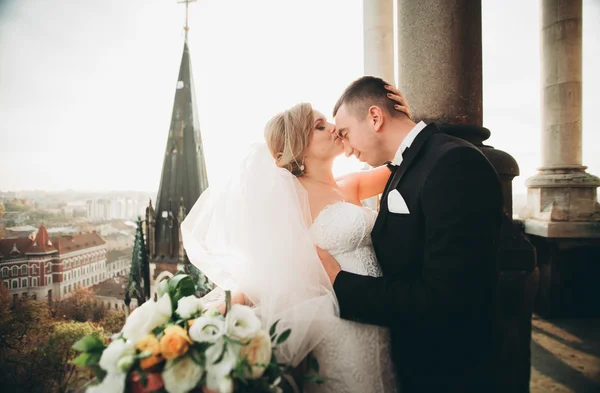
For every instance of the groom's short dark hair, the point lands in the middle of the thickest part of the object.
(364, 93)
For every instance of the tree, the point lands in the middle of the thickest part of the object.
(24, 328)
(80, 306)
(113, 322)
(57, 353)
(2, 209)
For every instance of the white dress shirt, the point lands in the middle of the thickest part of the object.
(408, 140)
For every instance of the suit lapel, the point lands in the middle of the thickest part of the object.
(411, 153)
(409, 156)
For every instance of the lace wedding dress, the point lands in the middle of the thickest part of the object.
(252, 232)
(356, 356)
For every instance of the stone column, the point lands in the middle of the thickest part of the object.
(563, 216)
(561, 201)
(378, 42)
(439, 59)
(378, 33)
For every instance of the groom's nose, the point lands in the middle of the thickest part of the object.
(348, 150)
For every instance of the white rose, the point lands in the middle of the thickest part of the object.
(111, 356)
(125, 363)
(226, 385)
(135, 325)
(258, 353)
(181, 375)
(161, 313)
(242, 322)
(219, 383)
(217, 372)
(189, 306)
(112, 383)
(207, 329)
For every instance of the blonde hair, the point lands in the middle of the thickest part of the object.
(287, 135)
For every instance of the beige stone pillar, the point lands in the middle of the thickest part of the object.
(378, 42)
(561, 200)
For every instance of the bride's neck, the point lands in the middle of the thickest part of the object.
(322, 172)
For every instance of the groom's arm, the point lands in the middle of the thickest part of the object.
(462, 206)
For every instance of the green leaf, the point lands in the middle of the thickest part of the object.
(284, 336)
(81, 360)
(88, 344)
(163, 287)
(181, 285)
(99, 372)
(273, 327)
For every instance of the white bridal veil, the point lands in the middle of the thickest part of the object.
(251, 234)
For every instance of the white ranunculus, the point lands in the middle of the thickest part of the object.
(181, 375)
(188, 306)
(111, 356)
(112, 383)
(217, 372)
(211, 312)
(242, 322)
(258, 353)
(207, 329)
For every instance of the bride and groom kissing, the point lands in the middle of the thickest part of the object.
(399, 300)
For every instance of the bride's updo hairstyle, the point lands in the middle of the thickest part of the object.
(287, 135)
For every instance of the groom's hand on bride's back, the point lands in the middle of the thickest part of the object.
(332, 267)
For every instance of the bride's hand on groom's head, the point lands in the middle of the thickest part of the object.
(396, 96)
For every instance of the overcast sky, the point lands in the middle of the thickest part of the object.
(87, 86)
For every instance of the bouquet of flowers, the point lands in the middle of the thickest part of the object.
(177, 345)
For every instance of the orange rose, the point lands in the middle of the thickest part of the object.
(175, 342)
(149, 343)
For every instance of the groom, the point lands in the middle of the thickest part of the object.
(435, 239)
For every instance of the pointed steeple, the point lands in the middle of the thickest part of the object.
(139, 272)
(184, 171)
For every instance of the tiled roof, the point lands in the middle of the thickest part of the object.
(42, 243)
(113, 255)
(112, 287)
(14, 248)
(67, 244)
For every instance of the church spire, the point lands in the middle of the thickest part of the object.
(184, 175)
(139, 273)
(187, 4)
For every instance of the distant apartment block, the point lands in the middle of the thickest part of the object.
(115, 208)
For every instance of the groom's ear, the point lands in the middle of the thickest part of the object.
(375, 117)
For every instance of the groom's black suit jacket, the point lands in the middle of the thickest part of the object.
(437, 292)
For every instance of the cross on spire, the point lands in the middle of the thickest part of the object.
(187, 3)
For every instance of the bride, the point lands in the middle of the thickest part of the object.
(258, 233)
